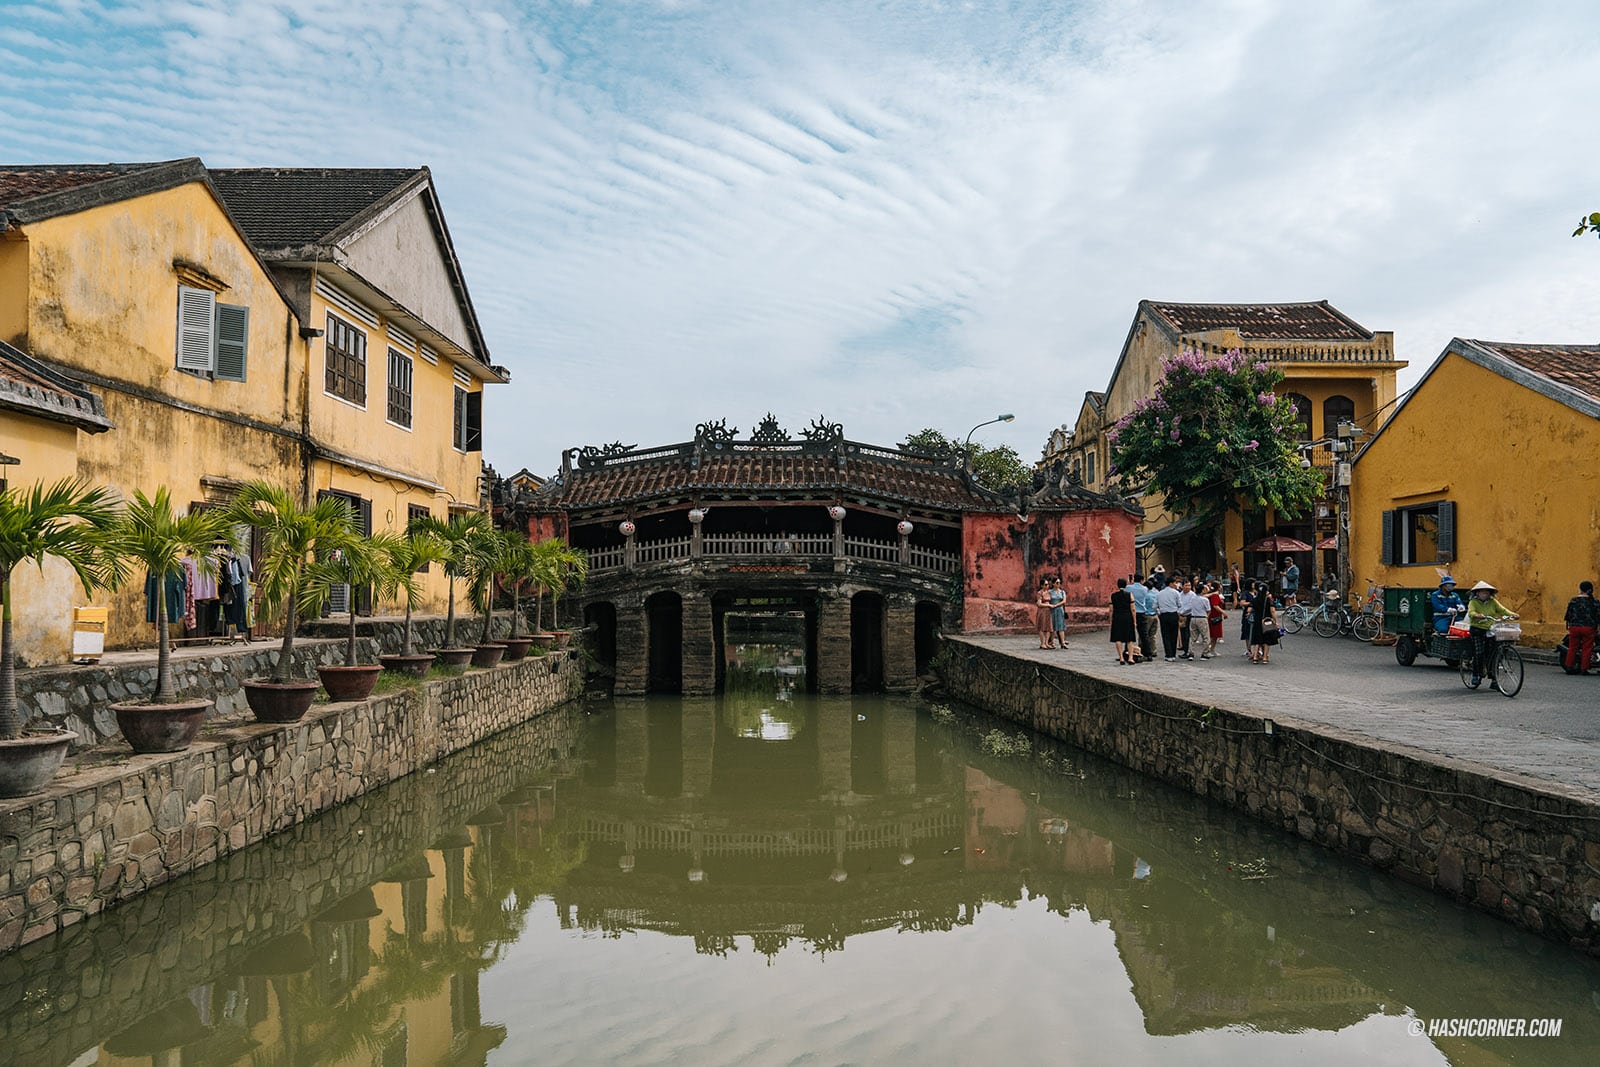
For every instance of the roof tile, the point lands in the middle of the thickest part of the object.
(1305, 321)
(291, 206)
(1574, 366)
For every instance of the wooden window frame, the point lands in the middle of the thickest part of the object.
(344, 361)
(400, 397)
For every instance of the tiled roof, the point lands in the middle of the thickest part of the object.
(818, 472)
(24, 183)
(1574, 366)
(292, 206)
(28, 386)
(1309, 321)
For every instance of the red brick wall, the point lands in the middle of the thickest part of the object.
(1005, 556)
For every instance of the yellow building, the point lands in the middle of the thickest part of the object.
(1517, 505)
(226, 319)
(1334, 369)
(43, 416)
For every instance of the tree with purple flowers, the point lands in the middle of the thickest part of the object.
(1214, 437)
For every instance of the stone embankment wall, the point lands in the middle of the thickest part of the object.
(97, 978)
(100, 834)
(1523, 850)
(427, 631)
(77, 698)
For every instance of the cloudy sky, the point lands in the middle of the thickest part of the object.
(897, 214)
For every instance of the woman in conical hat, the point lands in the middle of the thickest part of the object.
(1483, 611)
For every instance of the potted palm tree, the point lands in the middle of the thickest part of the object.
(564, 569)
(358, 560)
(63, 521)
(409, 555)
(484, 563)
(291, 536)
(517, 569)
(150, 534)
(457, 534)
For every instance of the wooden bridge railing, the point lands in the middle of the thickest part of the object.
(772, 548)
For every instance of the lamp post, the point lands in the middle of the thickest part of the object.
(966, 447)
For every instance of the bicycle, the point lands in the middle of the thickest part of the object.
(1369, 623)
(1505, 662)
(1329, 619)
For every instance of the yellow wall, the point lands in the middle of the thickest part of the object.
(43, 598)
(103, 299)
(1522, 521)
(13, 289)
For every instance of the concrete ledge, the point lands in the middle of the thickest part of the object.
(102, 833)
(1524, 850)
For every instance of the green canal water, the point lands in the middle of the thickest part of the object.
(772, 878)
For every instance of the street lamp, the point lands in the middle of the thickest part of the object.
(966, 447)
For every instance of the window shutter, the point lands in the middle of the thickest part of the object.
(1388, 538)
(196, 314)
(474, 422)
(365, 517)
(458, 433)
(233, 335)
(1447, 531)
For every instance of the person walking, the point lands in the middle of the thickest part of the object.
(1583, 615)
(1236, 583)
(1123, 627)
(1144, 618)
(1058, 613)
(1247, 614)
(1291, 578)
(1263, 623)
(1483, 611)
(1168, 603)
(1042, 610)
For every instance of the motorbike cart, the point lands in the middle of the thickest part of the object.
(1408, 614)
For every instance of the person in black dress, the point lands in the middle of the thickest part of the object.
(1263, 623)
(1123, 630)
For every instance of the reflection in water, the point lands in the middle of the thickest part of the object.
(902, 896)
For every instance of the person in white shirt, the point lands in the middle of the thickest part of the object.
(1168, 605)
(1195, 608)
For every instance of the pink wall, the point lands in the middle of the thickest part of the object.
(1005, 556)
(542, 527)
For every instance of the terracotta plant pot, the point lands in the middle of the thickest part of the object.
(27, 763)
(488, 655)
(161, 727)
(417, 664)
(517, 648)
(563, 638)
(453, 657)
(544, 642)
(350, 683)
(279, 701)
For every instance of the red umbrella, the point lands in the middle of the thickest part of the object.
(1278, 544)
(1328, 542)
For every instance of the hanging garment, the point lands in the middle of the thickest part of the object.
(191, 570)
(174, 593)
(205, 585)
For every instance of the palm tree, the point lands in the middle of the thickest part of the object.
(518, 568)
(485, 561)
(292, 535)
(457, 534)
(149, 533)
(419, 549)
(559, 568)
(66, 521)
(359, 560)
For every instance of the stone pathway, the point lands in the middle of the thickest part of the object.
(1549, 732)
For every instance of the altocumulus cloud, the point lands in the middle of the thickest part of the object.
(899, 214)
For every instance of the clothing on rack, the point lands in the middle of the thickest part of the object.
(191, 571)
(175, 596)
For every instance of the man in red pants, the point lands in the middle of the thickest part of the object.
(1583, 614)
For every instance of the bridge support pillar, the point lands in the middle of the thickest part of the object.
(899, 643)
(833, 643)
(699, 647)
(633, 648)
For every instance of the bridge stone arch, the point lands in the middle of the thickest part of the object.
(879, 549)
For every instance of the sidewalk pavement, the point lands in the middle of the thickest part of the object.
(1549, 732)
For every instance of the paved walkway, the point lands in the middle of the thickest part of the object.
(1549, 732)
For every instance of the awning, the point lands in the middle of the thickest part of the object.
(1181, 528)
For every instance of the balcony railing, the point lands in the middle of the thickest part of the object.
(803, 547)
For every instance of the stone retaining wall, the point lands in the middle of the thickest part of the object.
(97, 978)
(103, 833)
(77, 697)
(1526, 851)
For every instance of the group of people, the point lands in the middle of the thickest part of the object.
(1052, 611)
(1187, 615)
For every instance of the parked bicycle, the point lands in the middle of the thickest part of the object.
(1333, 617)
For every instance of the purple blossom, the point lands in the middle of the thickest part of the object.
(1253, 445)
(1174, 434)
(1266, 399)
(1260, 366)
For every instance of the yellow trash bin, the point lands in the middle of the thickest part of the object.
(88, 634)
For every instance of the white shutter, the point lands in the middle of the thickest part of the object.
(339, 599)
(196, 318)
